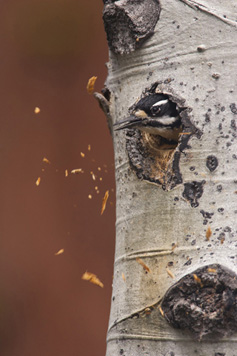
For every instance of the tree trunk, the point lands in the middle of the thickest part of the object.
(174, 287)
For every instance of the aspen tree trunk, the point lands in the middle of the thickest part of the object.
(174, 286)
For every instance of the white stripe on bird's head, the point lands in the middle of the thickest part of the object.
(161, 102)
(166, 120)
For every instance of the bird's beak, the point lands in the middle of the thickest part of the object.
(130, 122)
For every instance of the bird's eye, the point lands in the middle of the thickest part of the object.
(155, 110)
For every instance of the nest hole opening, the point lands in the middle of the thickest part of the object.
(154, 155)
(160, 149)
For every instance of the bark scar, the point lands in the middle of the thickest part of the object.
(128, 23)
(204, 302)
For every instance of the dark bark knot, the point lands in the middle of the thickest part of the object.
(233, 108)
(211, 163)
(128, 23)
(193, 192)
(155, 158)
(204, 302)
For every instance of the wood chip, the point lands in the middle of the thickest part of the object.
(197, 279)
(77, 170)
(37, 110)
(161, 311)
(148, 311)
(82, 154)
(38, 181)
(45, 160)
(184, 133)
(208, 233)
(104, 201)
(66, 173)
(59, 252)
(89, 147)
(90, 196)
(91, 84)
(93, 176)
(170, 273)
(146, 268)
(123, 276)
(91, 277)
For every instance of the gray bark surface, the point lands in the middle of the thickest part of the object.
(194, 48)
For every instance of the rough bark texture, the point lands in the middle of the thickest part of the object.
(129, 23)
(164, 235)
(203, 302)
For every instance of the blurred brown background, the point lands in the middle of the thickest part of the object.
(49, 49)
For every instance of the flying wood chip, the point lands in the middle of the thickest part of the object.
(93, 176)
(90, 85)
(38, 181)
(91, 277)
(37, 110)
(104, 201)
(59, 252)
(45, 160)
(77, 170)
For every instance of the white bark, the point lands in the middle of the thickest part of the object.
(149, 219)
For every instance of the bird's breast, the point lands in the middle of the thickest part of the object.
(171, 134)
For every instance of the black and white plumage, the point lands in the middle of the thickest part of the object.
(155, 114)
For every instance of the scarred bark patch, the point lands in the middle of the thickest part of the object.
(128, 23)
(204, 302)
(193, 192)
(211, 163)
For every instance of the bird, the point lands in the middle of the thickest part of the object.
(155, 114)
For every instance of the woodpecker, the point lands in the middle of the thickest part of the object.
(155, 114)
